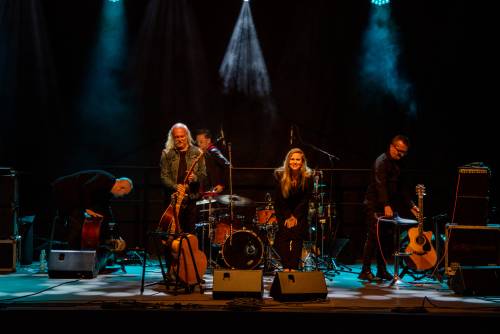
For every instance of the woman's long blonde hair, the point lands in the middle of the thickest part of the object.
(284, 176)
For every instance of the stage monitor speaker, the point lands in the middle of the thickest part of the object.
(8, 256)
(72, 264)
(232, 283)
(472, 195)
(476, 281)
(299, 286)
(471, 246)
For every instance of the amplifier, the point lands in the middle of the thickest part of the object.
(8, 256)
(468, 245)
(7, 223)
(472, 196)
(476, 281)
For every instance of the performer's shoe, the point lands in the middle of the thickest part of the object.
(367, 275)
(384, 275)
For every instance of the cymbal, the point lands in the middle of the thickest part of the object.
(213, 209)
(237, 200)
(205, 201)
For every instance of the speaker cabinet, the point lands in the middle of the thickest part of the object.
(299, 286)
(471, 246)
(72, 264)
(8, 255)
(7, 223)
(233, 283)
(472, 196)
(8, 190)
(476, 281)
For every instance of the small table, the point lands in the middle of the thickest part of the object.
(398, 222)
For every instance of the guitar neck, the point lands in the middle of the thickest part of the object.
(420, 193)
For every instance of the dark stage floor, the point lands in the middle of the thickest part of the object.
(28, 294)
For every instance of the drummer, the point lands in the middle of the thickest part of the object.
(215, 162)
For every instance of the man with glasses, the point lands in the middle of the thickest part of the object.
(386, 197)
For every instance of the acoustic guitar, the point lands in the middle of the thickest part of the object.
(189, 264)
(423, 255)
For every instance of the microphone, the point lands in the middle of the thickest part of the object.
(316, 181)
(221, 138)
(291, 135)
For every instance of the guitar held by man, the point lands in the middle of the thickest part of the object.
(422, 254)
(189, 263)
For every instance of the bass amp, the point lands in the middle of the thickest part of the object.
(471, 246)
(472, 195)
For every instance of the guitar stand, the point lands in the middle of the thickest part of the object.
(199, 281)
(168, 280)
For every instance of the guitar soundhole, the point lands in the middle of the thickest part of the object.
(421, 240)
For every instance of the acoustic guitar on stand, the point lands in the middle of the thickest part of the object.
(423, 255)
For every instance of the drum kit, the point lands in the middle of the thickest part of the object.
(238, 242)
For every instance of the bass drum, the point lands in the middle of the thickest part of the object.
(242, 250)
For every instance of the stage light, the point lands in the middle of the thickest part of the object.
(243, 68)
(380, 59)
(380, 2)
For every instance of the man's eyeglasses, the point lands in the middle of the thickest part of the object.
(400, 151)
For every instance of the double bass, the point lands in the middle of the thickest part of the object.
(189, 264)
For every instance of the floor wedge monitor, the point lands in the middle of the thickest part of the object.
(232, 283)
(72, 264)
(299, 286)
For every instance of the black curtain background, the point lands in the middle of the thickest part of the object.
(312, 50)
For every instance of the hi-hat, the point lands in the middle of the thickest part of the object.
(237, 200)
(205, 201)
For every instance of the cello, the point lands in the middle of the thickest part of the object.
(189, 262)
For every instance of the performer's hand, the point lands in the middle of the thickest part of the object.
(291, 222)
(119, 244)
(93, 213)
(181, 188)
(218, 188)
(415, 211)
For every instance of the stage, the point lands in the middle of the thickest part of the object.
(115, 301)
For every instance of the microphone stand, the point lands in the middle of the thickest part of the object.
(231, 213)
(330, 261)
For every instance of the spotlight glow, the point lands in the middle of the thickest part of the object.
(380, 2)
(243, 67)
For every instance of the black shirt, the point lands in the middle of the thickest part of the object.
(89, 189)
